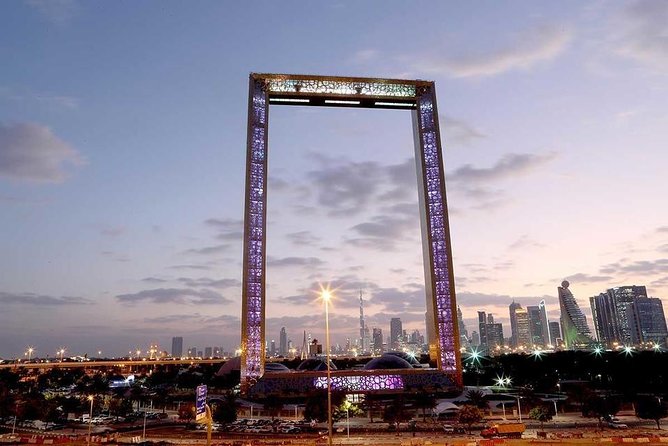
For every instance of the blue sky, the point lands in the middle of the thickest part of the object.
(122, 150)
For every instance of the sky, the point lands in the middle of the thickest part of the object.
(122, 160)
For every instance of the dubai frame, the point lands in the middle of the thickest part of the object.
(416, 95)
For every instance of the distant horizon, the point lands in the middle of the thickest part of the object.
(122, 164)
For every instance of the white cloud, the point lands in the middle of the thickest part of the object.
(32, 152)
(643, 36)
(59, 12)
(540, 44)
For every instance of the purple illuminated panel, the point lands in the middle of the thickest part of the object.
(434, 203)
(252, 356)
(362, 383)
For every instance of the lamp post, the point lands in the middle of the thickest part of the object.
(555, 409)
(61, 352)
(30, 350)
(90, 417)
(519, 407)
(326, 296)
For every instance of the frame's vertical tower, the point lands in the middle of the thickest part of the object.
(442, 324)
(255, 225)
(416, 95)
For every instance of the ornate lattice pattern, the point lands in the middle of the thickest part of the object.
(300, 383)
(348, 88)
(436, 220)
(253, 314)
(361, 383)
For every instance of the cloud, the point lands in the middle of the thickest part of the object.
(207, 250)
(508, 166)
(303, 238)
(582, 278)
(662, 229)
(112, 231)
(663, 248)
(458, 132)
(220, 322)
(173, 295)
(228, 229)
(287, 262)
(40, 300)
(345, 188)
(641, 27)
(58, 12)
(195, 267)
(537, 45)
(524, 242)
(31, 152)
(154, 280)
(209, 283)
(383, 232)
(641, 267)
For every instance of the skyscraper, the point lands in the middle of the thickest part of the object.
(208, 352)
(494, 335)
(396, 331)
(537, 325)
(482, 327)
(649, 321)
(523, 338)
(463, 334)
(575, 331)
(177, 347)
(613, 314)
(283, 342)
(555, 333)
(377, 341)
(512, 308)
(362, 346)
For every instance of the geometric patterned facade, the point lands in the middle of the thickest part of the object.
(416, 95)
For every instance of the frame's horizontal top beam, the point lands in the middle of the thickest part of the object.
(344, 88)
(342, 101)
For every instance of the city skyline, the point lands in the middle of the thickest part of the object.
(122, 160)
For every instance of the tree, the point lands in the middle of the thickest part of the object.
(315, 407)
(468, 415)
(226, 409)
(476, 398)
(187, 412)
(424, 400)
(651, 408)
(396, 412)
(540, 413)
(273, 406)
(600, 407)
(371, 404)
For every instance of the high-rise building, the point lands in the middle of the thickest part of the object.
(482, 327)
(537, 325)
(396, 332)
(512, 308)
(649, 321)
(463, 334)
(576, 333)
(377, 341)
(177, 347)
(523, 334)
(283, 342)
(208, 352)
(555, 333)
(362, 334)
(192, 352)
(544, 322)
(475, 339)
(613, 314)
(494, 335)
(273, 350)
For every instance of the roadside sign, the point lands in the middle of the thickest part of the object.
(200, 403)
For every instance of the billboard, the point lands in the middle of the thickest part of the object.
(200, 403)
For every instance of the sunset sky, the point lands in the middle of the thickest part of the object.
(122, 151)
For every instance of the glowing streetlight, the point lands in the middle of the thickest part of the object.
(657, 347)
(628, 350)
(598, 351)
(90, 416)
(537, 354)
(29, 352)
(61, 352)
(326, 296)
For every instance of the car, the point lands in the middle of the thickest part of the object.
(617, 425)
(448, 429)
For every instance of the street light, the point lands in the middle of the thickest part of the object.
(519, 407)
(29, 351)
(61, 352)
(326, 296)
(90, 416)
